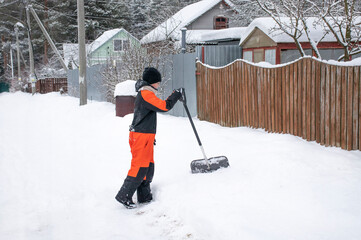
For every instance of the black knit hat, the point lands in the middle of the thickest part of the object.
(151, 75)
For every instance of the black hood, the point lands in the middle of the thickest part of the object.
(139, 84)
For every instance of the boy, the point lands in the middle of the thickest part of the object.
(142, 137)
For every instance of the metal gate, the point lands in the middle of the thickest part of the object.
(95, 88)
(182, 74)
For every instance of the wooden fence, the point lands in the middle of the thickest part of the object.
(308, 98)
(47, 85)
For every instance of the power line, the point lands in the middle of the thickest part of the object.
(75, 16)
(8, 4)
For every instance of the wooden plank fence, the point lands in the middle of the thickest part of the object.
(47, 85)
(308, 98)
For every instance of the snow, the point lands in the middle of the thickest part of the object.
(353, 63)
(203, 36)
(172, 26)
(126, 88)
(19, 25)
(61, 165)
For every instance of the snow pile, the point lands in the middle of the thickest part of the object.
(61, 168)
(126, 88)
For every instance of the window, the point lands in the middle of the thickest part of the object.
(220, 22)
(248, 56)
(270, 56)
(117, 45)
(120, 45)
(260, 55)
(125, 44)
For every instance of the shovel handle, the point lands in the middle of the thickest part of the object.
(190, 119)
(184, 100)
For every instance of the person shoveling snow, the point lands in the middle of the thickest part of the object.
(142, 137)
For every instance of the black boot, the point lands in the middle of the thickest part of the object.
(126, 193)
(144, 193)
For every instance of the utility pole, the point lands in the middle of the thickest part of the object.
(82, 56)
(12, 63)
(18, 51)
(31, 55)
(48, 37)
(46, 27)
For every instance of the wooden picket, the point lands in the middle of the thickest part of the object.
(48, 85)
(308, 98)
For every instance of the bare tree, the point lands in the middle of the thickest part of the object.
(128, 66)
(342, 19)
(291, 17)
(243, 12)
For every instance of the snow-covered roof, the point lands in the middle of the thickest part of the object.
(171, 28)
(271, 28)
(105, 37)
(204, 36)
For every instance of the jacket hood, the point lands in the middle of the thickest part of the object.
(139, 84)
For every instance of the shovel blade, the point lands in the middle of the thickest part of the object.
(215, 163)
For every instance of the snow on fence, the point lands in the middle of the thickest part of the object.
(308, 98)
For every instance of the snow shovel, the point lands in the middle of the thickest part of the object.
(206, 164)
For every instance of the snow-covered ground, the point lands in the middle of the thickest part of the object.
(61, 166)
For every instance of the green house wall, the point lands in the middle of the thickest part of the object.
(106, 51)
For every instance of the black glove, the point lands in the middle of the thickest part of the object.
(181, 91)
(177, 94)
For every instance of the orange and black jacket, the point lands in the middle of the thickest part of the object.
(147, 104)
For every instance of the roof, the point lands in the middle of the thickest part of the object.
(171, 27)
(105, 37)
(208, 36)
(271, 28)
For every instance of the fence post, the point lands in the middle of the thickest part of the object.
(356, 97)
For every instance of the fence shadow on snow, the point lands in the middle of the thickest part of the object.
(307, 98)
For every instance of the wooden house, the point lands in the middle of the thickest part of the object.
(107, 47)
(264, 41)
(207, 22)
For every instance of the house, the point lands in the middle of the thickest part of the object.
(207, 22)
(264, 41)
(109, 46)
